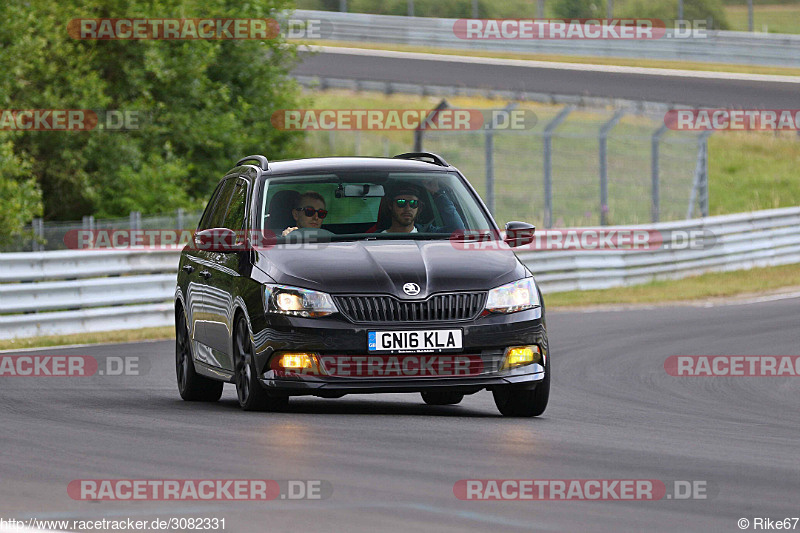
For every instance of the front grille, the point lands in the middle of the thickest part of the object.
(437, 308)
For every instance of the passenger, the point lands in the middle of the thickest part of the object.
(309, 212)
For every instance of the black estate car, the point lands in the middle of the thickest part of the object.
(346, 275)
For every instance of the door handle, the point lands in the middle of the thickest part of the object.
(206, 274)
(188, 269)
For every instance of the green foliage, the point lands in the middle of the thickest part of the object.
(19, 193)
(573, 9)
(207, 102)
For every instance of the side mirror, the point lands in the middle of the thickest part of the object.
(216, 240)
(519, 233)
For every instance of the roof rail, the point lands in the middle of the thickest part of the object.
(428, 157)
(262, 161)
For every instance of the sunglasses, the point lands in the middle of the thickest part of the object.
(401, 203)
(309, 211)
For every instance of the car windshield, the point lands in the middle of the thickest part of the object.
(371, 205)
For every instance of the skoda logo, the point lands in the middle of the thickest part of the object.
(412, 289)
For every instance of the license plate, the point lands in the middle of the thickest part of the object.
(427, 340)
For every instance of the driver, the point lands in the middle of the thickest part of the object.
(404, 206)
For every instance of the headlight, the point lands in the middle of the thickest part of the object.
(294, 301)
(512, 297)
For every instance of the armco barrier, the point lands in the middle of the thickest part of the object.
(63, 292)
(715, 47)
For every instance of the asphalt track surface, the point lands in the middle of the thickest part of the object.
(392, 461)
(705, 92)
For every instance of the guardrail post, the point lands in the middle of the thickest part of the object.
(655, 180)
(548, 163)
(419, 131)
(605, 129)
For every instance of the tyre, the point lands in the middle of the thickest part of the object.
(524, 403)
(442, 397)
(191, 386)
(251, 394)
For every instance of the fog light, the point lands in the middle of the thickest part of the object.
(296, 361)
(522, 355)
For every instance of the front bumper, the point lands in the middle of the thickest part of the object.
(486, 337)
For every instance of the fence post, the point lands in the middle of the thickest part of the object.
(490, 170)
(135, 220)
(704, 181)
(655, 180)
(357, 142)
(418, 132)
(548, 163)
(343, 6)
(88, 222)
(37, 225)
(605, 129)
(699, 191)
(180, 218)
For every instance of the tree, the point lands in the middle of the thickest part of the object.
(205, 103)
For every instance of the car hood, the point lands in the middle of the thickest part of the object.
(385, 266)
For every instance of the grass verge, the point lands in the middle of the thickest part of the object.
(713, 285)
(770, 18)
(617, 61)
(126, 335)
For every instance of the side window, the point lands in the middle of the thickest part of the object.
(209, 208)
(234, 218)
(217, 214)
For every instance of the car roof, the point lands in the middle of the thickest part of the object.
(351, 164)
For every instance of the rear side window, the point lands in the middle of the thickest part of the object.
(216, 215)
(234, 218)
